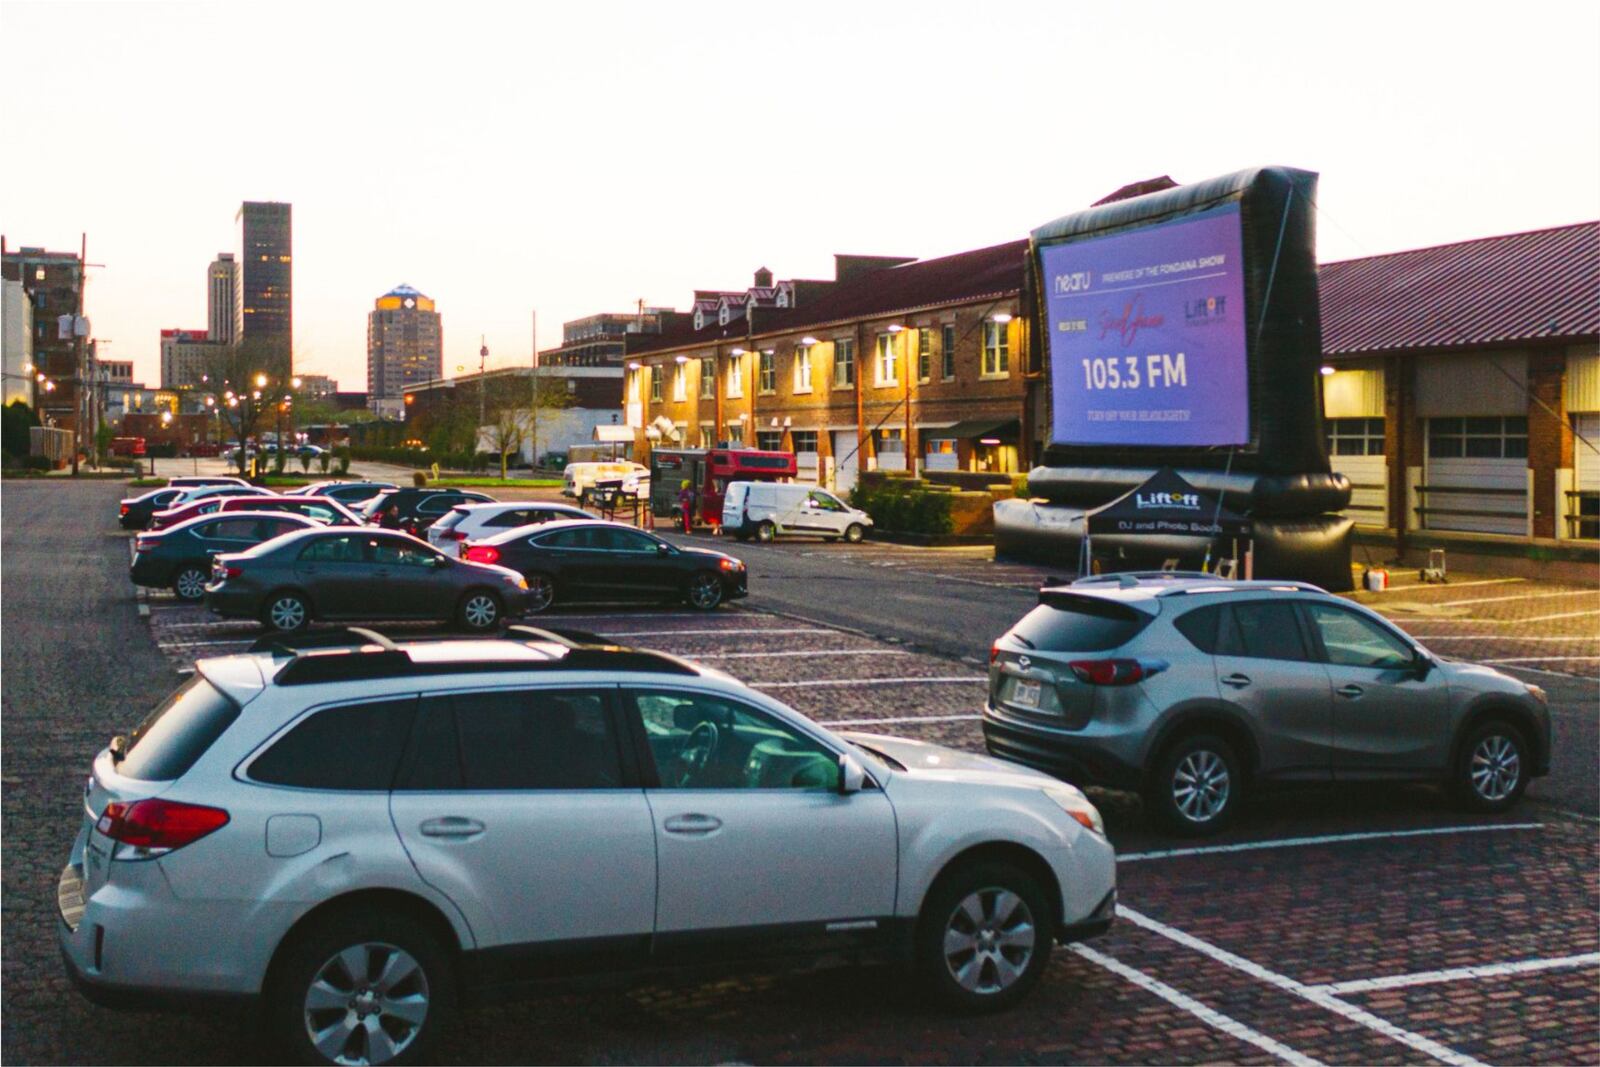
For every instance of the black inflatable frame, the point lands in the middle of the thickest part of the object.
(1281, 479)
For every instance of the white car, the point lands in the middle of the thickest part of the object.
(354, 835)
(579, 478)
(764, 510)
(469, 522)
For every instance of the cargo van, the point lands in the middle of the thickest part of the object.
(764, 510)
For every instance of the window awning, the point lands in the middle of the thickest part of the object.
(613, 435)
(969, 429)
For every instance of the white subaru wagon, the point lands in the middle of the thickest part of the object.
(360, 837)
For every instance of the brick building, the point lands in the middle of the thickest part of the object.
(53, 284)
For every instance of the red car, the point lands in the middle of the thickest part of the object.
(203, 506)
(321, 508)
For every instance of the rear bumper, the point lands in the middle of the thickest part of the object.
(1073, 758)
(232, 604)
(147, 998)
(149, 572)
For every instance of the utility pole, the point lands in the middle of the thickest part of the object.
(483, 359)
(533, 409)
(77, 333)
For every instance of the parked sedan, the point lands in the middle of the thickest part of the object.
(350, 494)
(326, 511)
(595, 560)
(134, 512)
(417, 509)
(193, 481)
(179, 558)
(472, 522)
(201, 500)
(341, 572)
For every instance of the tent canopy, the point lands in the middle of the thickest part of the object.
(606, 434)
(1166, 504)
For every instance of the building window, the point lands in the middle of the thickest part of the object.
(708, 377)
(699, 319)
(769, 440)
(803, 440)
(680, 383)
(886, 364)
(1483, 437)
(1354, 437)
(736, 377)
(947, 350)
(735, 434)
(924, 354)
(996, 349)
(708, 435)
(722, 315)
(655, 381)
(844, 363)
(802, 368)
(769, 372)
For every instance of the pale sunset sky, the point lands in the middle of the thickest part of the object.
(577, 157)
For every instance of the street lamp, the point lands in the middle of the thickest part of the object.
(166, 422)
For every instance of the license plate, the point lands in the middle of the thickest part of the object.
(1025, 693)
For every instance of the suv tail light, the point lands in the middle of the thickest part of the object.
(145, 544)
(1115, 671)
(452, 535)
(483, 554)
(124, 510)
(994, 652)
(159, 825)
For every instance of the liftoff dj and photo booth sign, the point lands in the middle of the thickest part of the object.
(1181, 330)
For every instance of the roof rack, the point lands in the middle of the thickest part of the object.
(340, 637)
(1232, 586)
(1129, 579)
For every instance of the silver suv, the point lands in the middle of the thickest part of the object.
(358, 836)
(1192, 689)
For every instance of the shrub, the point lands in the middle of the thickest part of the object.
(37, 463)
(305, 461)
(323, 461)
(905, 509)
(344, 462)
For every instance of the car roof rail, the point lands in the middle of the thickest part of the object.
(565, 636)
(339, 637)
(1226, 585)
(1128, 579)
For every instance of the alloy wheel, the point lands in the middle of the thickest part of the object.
(1496, 767)
(705, 591)
(191, 583)
(989, 940)
(1201, 786)
(541, 592)
(366, 1004)
(287, 613)
(480, 611)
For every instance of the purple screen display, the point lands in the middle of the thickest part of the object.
(1147, 335)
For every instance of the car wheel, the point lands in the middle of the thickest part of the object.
(765, 532)
(541, 592)
(984, 937)
(1492, 770)
(1197, 786)
(479, 611)
(705, 591)
(190, 584)
(854, 533)
(286, 613)
(371, 988)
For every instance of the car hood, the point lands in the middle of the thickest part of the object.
(1465, 675)
(491, 569)
(707, 553)
(923, 760)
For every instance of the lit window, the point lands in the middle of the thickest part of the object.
(680, 383)
(996, 349)
(924, 354)
(708, 377)
(769, 375)
(887, 361)
(802, 369)
(844, 363)
(736, 377)
(655, 382)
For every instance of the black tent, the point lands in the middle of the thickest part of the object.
(1166, 505)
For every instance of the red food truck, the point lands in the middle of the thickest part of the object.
(708, 472)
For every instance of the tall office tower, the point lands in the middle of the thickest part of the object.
(223, 309)
(405, 347)
(266, 284)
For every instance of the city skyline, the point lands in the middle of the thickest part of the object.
(581, 162)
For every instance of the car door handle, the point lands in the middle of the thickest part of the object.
(1350, 692)
(452, 826)
(1238, 681)
(693, 824)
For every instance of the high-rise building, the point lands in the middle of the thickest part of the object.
(405, 347)
(187, 358)
(266, 284)
(223, 309)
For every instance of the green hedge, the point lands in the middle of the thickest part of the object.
(420, 457)
(905, 508)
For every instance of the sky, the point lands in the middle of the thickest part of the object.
(573, 158)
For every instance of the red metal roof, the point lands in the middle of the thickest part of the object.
(1540, 285)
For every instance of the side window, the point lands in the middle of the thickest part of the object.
(435, 505)
(627, 541)
(1264, 629)
(705, 742)
(355, 747)
(527, 739)
(1201, 627)
(277, 528)
(1353, 641)
(510, 518)
(235, 529)
(392, 551)
(332, 550)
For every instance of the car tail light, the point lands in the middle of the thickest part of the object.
(994, 651)
(452, 535)
(483, 554)
(159, 824)
(1115, 671)
(124, 510)
(145, 544)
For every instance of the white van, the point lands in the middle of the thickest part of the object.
(764, 510)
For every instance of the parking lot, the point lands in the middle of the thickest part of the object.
(1379, 925)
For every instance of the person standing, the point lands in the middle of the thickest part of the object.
(686, 505)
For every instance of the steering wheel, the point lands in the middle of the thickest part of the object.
(697, 752)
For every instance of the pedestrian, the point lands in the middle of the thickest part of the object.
(389, 518)
(686, 504)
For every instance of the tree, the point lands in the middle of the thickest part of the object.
(15, 420)
(241, 400)
(503, 435)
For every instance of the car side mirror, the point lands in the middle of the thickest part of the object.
(1421, 663)
(852, 776)
(662, 548)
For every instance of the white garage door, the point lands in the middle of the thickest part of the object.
(845, 460)
(1586, 476)
(1476, 478)
(1355, 450)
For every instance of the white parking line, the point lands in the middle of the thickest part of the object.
(1320, 997)
(1210, 1016)
(1498, 637)
(821, 683)
(898, 719)
(1503, 599)
(1562, 615)
(1325, 839)
(744, 632)
(1456, 585)
(803, 652)
(1459, 974)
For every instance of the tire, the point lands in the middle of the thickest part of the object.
(541, 592)
(479, 612)
(703, 590)
(286, 612)
(190, 582)
(313, 971)
(1492, 769)
(1197, 786)
(983, 937)
(766, 533)
(854, 533)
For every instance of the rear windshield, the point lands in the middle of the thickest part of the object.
(453, 516)
(172, 737)
(1085, 626)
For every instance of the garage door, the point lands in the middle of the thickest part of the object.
(845, 460)
(1355, 450)
(1583, 509)
(1476, 478)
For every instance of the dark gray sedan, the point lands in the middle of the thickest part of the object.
(354, 573)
